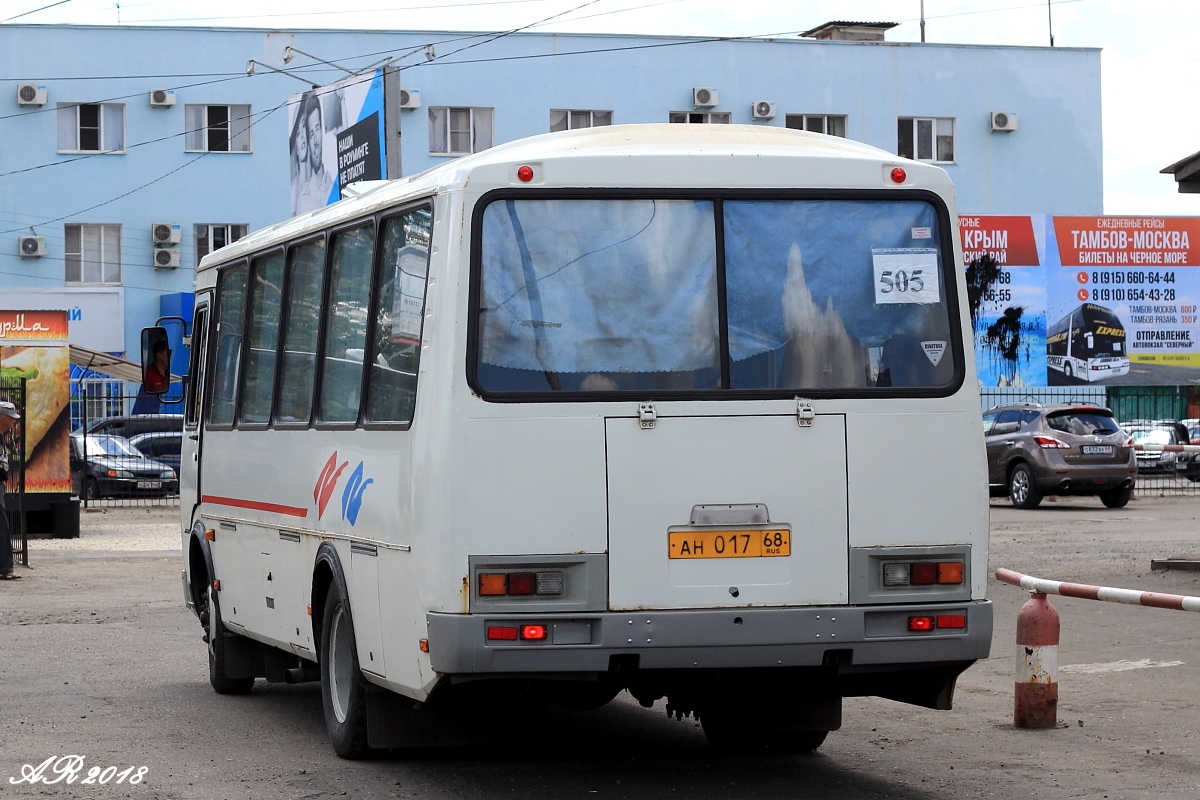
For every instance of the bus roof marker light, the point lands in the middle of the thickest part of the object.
(525, 173)
(899, 175)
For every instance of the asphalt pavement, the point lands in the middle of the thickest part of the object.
(101, 661)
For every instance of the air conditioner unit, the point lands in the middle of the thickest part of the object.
(32, 246)
(30, 94)
(763, 109)
(1004, 121)
(410, 98)
(166, 233)
(162, 97)
(166, 258)
(704, 97)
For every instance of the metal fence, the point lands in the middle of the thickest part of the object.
(130, 454)
(1128, 403)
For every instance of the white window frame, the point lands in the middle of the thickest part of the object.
(700, 117)
(569, 119)
(829, 124)
(199, 129)
(104, 252)
(110, 128)
(449, 124)
(927, 145)
(207, 232)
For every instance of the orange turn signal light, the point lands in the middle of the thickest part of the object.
(210, 535)
(492, 584)
(950, 572)
(424, 645)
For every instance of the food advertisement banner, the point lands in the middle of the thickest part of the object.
(1084, 300)
(33, 347)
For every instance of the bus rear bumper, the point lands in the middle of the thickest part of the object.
(857, 638)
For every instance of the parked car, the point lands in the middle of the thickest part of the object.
(1164, 462)
(1063, 449)
(134, 424)
(110, 466)
(161, 446)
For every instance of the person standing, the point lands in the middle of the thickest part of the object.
(8, 421)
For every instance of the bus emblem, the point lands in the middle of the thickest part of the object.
(326, 482)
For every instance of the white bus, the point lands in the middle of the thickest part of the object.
(681, 410)
(1089, 344)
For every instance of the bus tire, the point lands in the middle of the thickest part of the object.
(343, 690)
(1022, 487)
(800, 741)
(217, 675)
(1116, 498)
(1068, 370)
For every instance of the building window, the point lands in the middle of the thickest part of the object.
(564, 119)
(831, 124)
(217, 129)
(93, 254)
(91, 127)
(925, 138)
(214, 237)
(700, 117)
(459, 131)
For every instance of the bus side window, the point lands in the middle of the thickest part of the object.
(231, 299)
(263, 333)
(306, 276)
(396, 346)
(345, 324)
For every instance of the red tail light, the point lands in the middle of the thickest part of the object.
(920, 623)
(952, 621)
(1050, 443)
(502, 632)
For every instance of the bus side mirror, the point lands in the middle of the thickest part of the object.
(156, 361)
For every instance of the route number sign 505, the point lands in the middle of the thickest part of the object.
(906, 275)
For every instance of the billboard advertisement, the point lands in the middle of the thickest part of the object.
(1060, 301)
(336, 138)
(33, 347)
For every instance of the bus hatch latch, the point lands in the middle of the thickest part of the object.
(804, 412)
(647, 415)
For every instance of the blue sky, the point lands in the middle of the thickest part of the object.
(1148, 55)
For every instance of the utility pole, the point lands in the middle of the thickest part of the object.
(1049, 21)
(923, 24)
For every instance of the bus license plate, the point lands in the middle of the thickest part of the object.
(729, 544)
(149, 484)
(1097, 449)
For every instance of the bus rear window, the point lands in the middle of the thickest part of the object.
(691, 295)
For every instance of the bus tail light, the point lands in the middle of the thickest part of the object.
(952, 621)
(921, 623)
(503, 633)
(924, 573)
(521, 584)
(535, 632)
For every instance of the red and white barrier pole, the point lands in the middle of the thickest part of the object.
(1177, 602)
(1036, 703)
(1036, 697)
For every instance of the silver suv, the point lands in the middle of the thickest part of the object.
(1035, 450)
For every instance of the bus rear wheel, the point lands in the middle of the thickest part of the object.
(1068, 370)
(343, 690)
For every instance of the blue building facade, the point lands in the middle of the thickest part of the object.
(124, 158)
